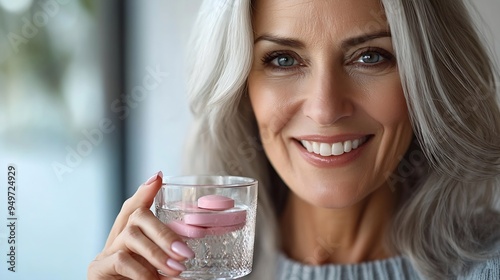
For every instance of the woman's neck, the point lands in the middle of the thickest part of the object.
(355, 234)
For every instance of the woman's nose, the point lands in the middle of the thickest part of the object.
(327, 100)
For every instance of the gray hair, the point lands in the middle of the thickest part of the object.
(449, 220)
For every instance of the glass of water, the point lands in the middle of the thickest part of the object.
(215, 216)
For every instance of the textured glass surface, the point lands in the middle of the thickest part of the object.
(225, 256)
(222, 238)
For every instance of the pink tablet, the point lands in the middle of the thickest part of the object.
(187, 230)
(215, 202)
(191, 231)
(212, 219)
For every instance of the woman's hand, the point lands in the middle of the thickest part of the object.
(139, 244)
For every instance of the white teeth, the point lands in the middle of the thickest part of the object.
(355, 144)
(315, 147)
(325, 149)
(335, 149)
(308, 146)
(347, 146)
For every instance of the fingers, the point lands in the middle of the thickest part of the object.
(143, 198)
(124, 263)
(139, 244)
(146, 193)
(120, 264)
(161, 274)
(134, 240)
(158, 233)
(148, 237)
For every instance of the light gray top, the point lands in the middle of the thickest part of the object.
(388, 269)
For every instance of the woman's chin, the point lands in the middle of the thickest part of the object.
(333, 197)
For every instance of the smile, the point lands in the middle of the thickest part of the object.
(335, 149)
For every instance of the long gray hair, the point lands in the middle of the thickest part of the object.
(449, 220)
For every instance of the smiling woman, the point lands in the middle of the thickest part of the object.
(372, 127)
(338, 86)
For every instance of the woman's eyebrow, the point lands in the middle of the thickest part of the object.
(358, 40)
(284, 41)
(294, 43)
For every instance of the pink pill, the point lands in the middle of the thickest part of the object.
(216, 219)
(215, 202)
(187, 230)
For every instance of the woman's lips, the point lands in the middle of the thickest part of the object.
(323, 153)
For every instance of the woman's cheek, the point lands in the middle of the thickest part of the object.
(272, 101)
(387, 103)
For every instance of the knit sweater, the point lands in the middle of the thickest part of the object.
(388, 269)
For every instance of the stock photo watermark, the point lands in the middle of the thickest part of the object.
(122, 107)
(11, 221)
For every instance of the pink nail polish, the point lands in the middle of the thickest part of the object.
(182, 249)
(154, 177)
(175, 265)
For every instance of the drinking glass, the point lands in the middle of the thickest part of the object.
(215, 216)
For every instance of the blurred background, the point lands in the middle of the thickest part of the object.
(92, 103)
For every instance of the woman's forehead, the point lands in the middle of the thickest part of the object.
(307, 4)
(313, 16)
(318, 23)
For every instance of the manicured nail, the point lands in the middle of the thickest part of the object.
(154, 177)
(182, 249)
(175, 265)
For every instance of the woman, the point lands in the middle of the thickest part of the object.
(372, 127)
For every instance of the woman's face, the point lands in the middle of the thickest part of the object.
(327, 96)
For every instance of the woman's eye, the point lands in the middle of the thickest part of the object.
(279, 61)
(284, 61)
(371, 58)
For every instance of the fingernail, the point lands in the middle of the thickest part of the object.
(182, 249)
(154, 177)
(175, 265)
